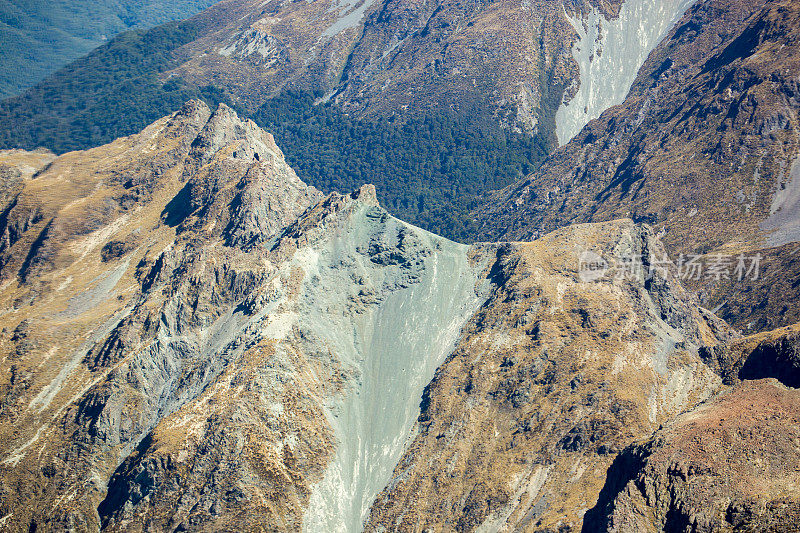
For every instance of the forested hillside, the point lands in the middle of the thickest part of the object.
(112, 92)
(40, 37)
(428, 169)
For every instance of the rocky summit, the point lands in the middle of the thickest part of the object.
(195, 340)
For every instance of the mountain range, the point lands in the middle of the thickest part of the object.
(196, 338)
(517, 65)
(433, 103)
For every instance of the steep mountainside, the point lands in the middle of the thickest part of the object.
(195, 340)
(731, 464)
(433, 103)
(609, 54)
(510, 60)
(40, 37)
(705, 148)
(774, 354)
(551, 379)
(510, 63)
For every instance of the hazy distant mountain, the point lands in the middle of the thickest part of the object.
(40, 37)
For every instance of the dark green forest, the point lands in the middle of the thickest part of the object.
(46, 35)
(114, 91)
(428, 170)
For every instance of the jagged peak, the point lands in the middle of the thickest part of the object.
(233, 161)
(335, 201)
(331, 211)
(183, 126)
(366, 194)
(244, 139)
(194, 109)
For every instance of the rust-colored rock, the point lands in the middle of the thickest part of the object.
(730, 465)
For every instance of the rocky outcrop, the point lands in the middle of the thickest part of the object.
(773, 354)
(730, 465)
(16, 167)
(130, 336)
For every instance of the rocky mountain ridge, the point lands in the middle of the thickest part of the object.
(704, 148)
(196, 340)
(506, 64)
